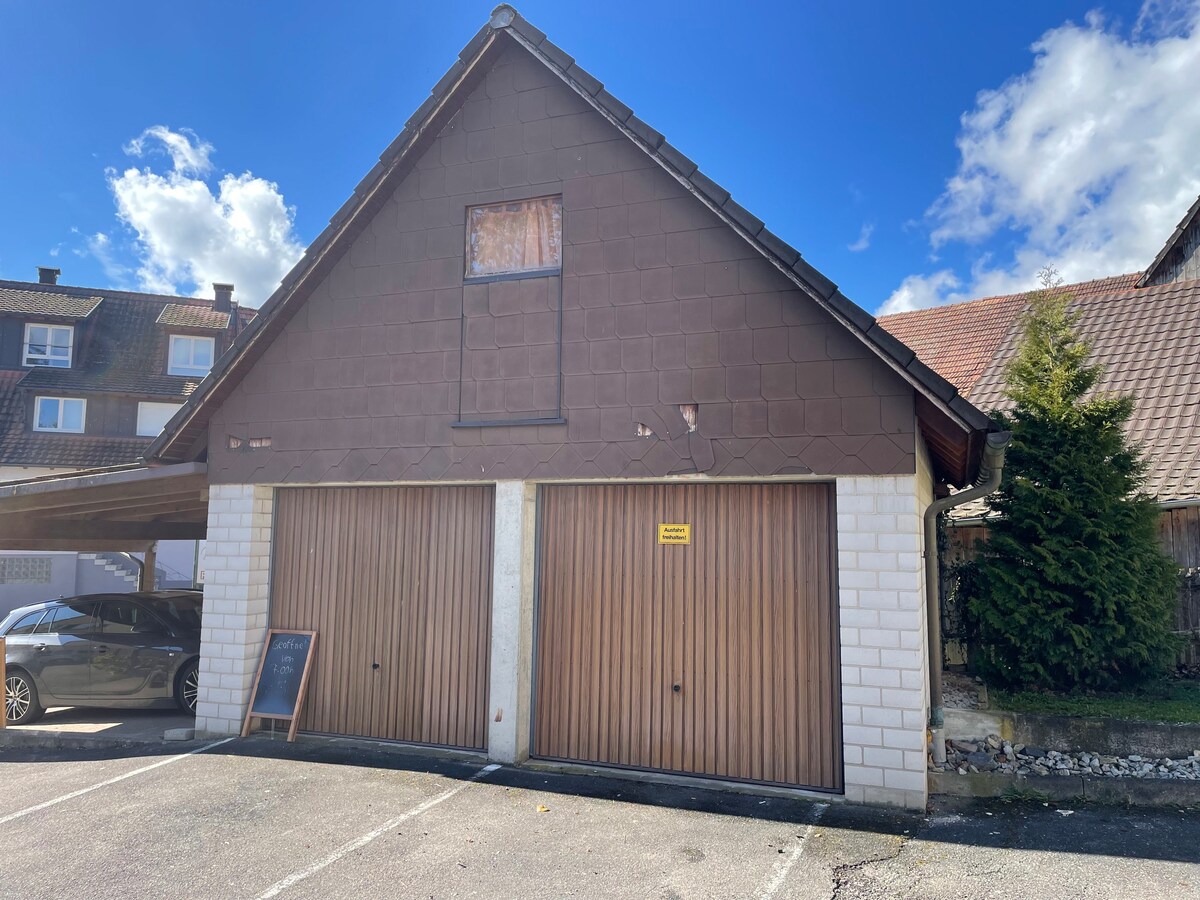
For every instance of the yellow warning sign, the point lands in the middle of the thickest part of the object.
(674, 533)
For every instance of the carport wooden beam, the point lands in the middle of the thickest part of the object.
(123, 508)
(35, 529)
(75, 545)
(73, 491)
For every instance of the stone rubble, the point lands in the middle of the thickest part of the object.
(993, 754)
(960, 691)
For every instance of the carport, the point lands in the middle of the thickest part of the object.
(122, 508)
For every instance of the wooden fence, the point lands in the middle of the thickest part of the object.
(1179, 531)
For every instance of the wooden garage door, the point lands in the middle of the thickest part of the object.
(398, 583)
(717, 658)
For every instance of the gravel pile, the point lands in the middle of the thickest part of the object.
(992, 754)
(960, 691)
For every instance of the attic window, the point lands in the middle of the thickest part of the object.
(152, 418)
(519, 238)
(62, 414)
(191, 355)
(48, 345)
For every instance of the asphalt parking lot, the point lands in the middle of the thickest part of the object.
(260, 819)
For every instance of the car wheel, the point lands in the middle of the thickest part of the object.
(21, 705)
(187, 686)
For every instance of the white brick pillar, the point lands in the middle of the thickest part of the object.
(237, 563)
(509, 684)
(885, 702)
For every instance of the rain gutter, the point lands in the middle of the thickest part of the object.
(990, 470)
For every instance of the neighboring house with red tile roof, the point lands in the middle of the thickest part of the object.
(1144, 330)
(1145, 338)
(960, 340)
(88, 377)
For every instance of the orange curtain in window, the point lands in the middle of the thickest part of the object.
(515, 237)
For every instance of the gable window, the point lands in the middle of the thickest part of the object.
(65, 414)
(153, 417)
(521, 237)
(48, 345)
(190, 355)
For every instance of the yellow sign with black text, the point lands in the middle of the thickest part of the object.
(674, 533)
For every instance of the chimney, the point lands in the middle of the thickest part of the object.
(48, 276)
(223, 294)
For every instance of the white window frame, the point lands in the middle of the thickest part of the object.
(178, 366)
(150, 406)
(58, 429)
(48, 360)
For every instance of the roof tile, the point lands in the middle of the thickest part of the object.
(192, 315)
(1143, 338)
(21, 302)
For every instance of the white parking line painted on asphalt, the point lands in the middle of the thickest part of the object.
(365, 839)
(779, 873)
(4, 820)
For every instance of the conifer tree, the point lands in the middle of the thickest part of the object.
(1072, 589)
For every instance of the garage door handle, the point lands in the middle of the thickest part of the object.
(676, 688)
(374, 665)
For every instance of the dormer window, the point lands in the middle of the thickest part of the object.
(48, 345)
(61, 414)
(191, 355)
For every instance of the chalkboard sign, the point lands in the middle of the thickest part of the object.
(282, 677)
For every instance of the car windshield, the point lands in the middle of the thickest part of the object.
(181, 612)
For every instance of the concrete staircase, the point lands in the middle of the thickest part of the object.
(116, 565)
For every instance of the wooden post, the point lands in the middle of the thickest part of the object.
(149, 561)
(3, 687)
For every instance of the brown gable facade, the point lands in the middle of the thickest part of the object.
(662, 306)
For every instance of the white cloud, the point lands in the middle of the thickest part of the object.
(190, 233)
(1084, 162)
(919, 291)
(99, 245)
(864, 238)
(189, 154)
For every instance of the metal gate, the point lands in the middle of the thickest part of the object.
(397, 580)
(717, 656)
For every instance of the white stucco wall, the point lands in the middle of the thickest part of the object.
(510, 684)
(236, 603)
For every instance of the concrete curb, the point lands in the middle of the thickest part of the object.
(1068, 734)
(52, 740)
(1082, 788)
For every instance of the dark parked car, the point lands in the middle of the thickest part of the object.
(112, 650)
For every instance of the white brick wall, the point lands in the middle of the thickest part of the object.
(237, 561)
(881, 602)
(882, 607)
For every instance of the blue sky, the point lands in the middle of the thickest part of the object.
(841, 125)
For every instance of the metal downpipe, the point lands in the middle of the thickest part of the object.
(990, 471)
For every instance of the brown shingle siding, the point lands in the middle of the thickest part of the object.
(662, 304)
